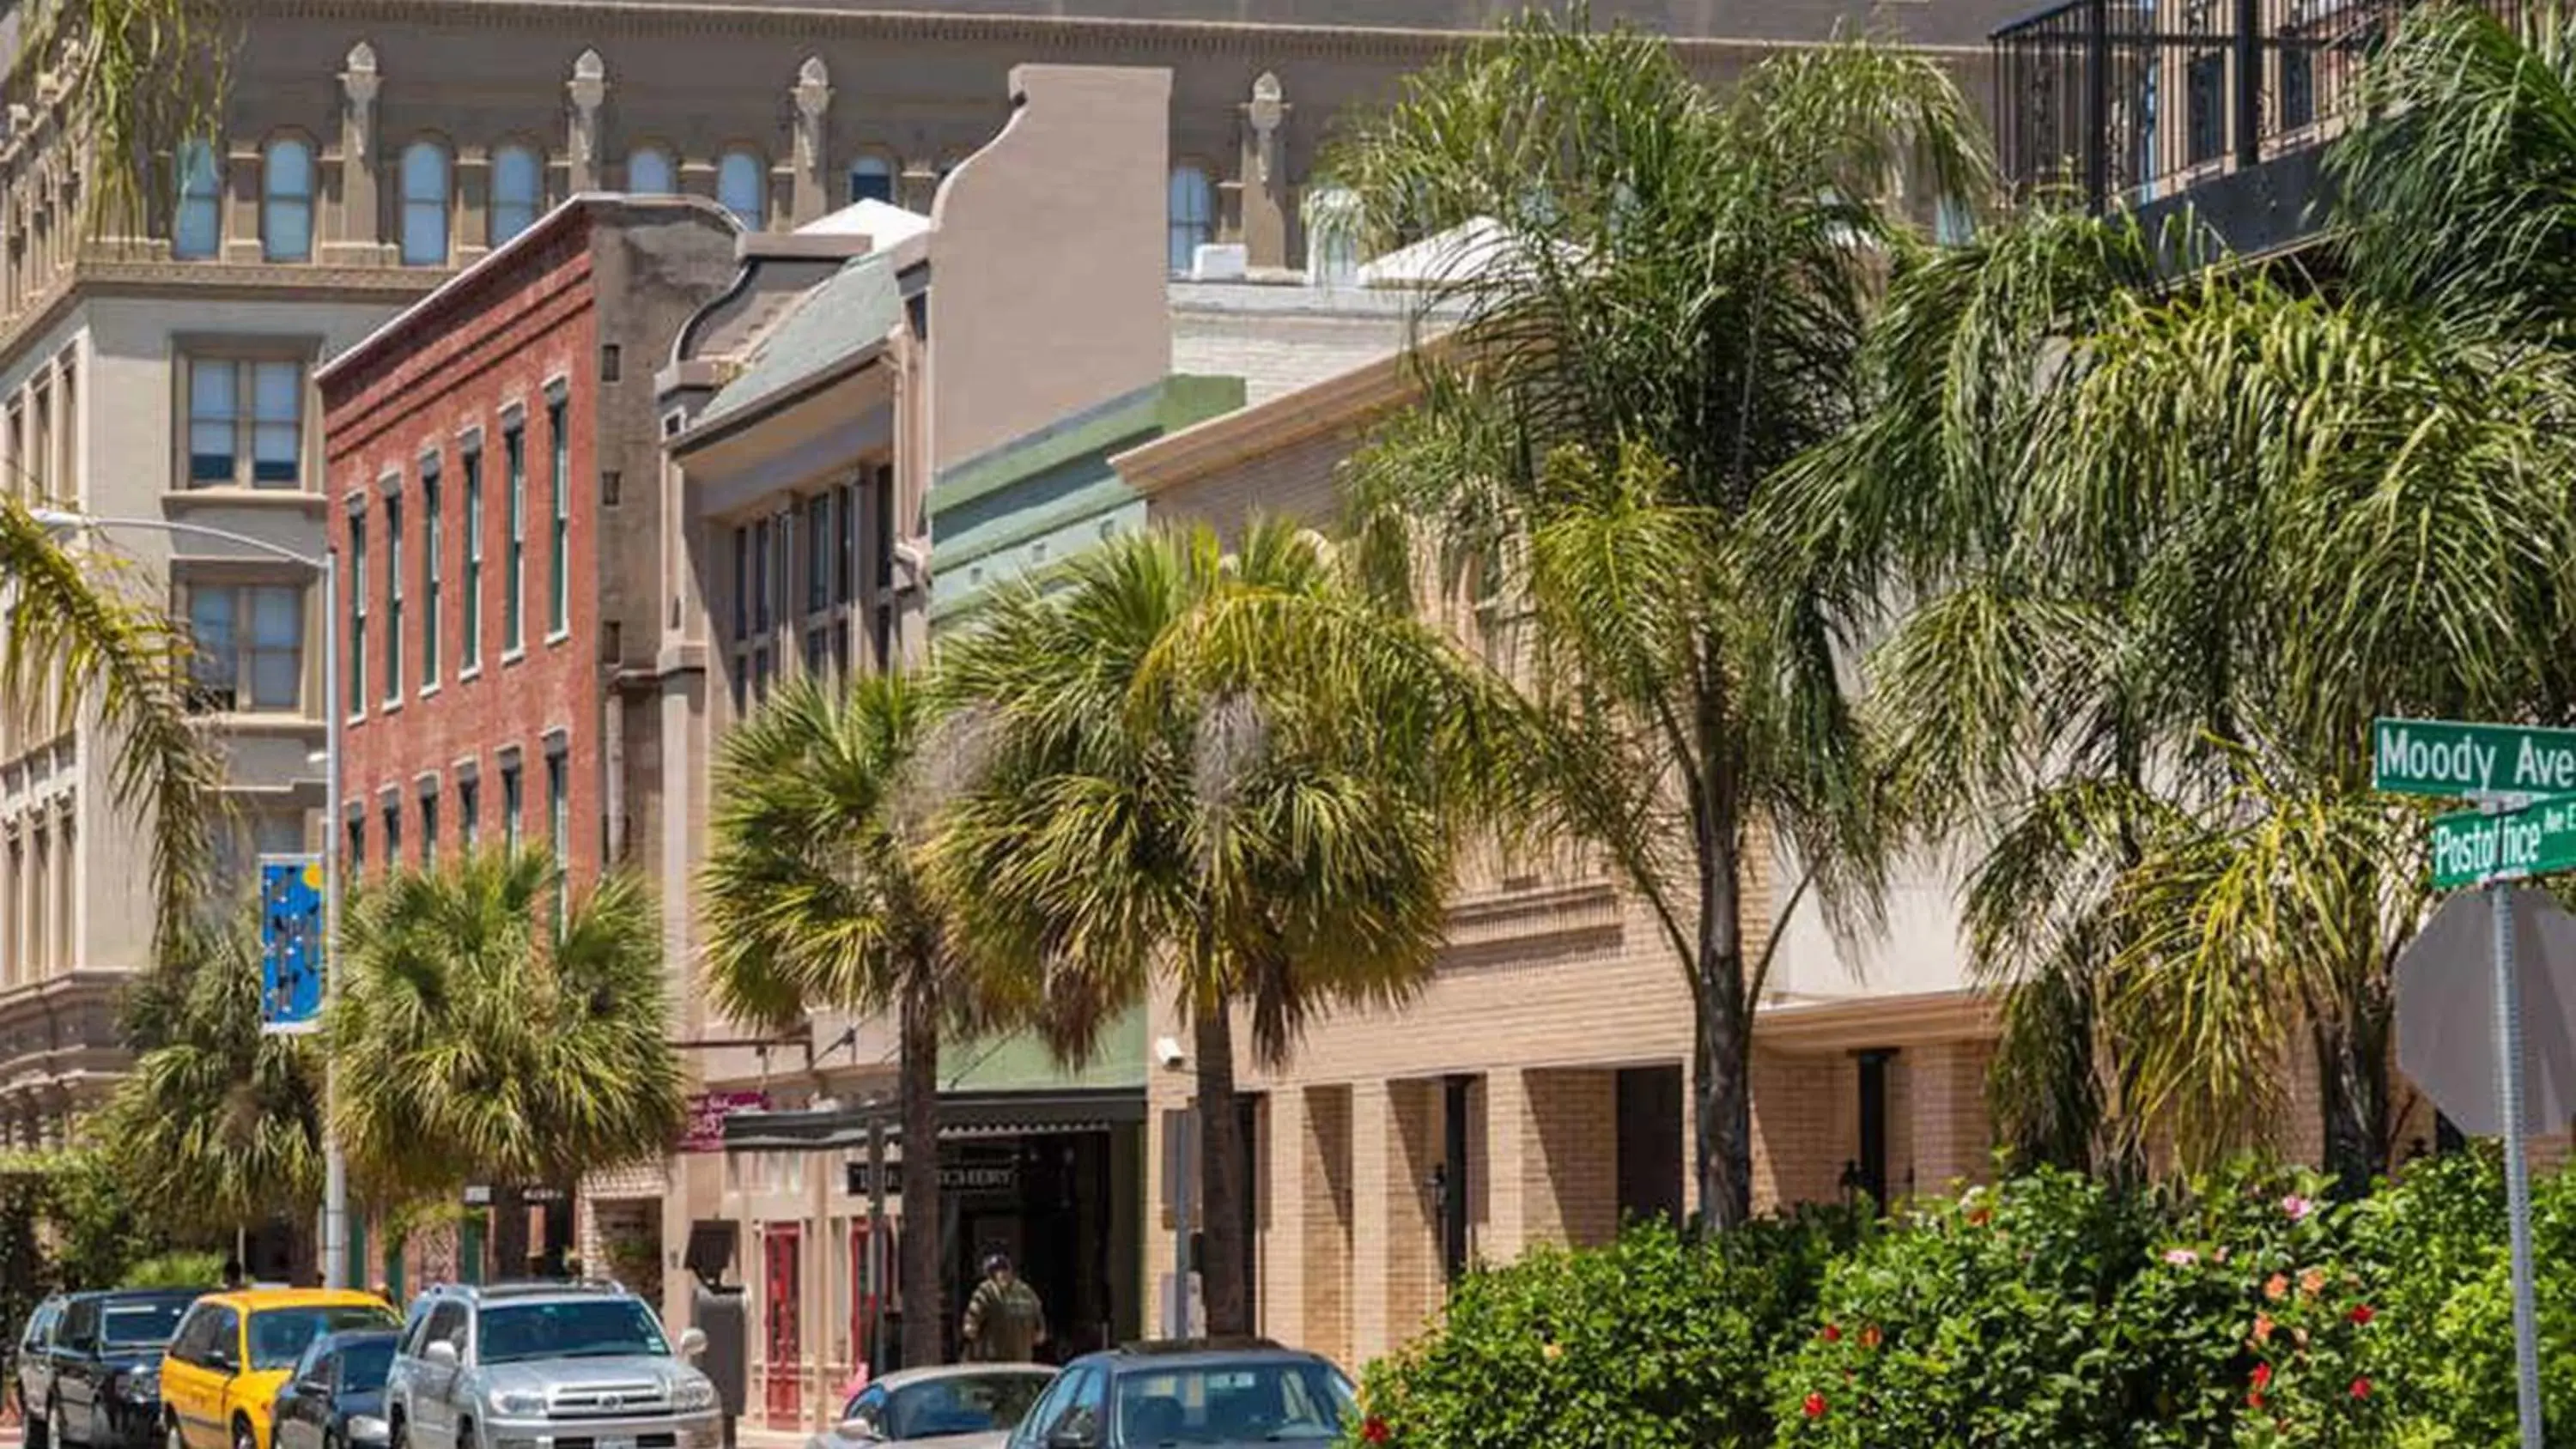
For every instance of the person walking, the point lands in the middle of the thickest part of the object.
(1005, 1322)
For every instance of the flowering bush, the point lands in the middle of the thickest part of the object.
(1655, 1342)
(2246, 1312)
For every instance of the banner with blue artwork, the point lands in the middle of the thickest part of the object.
(290, 942)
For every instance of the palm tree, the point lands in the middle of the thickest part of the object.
(132, 79)
(815, 895)
(82, 635)
(493, 1026)
(1665, 305)
(220, 1122)
(2156, 554)
(1223, 775)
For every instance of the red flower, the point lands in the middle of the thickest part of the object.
(2254, 1400)
(1375, 1431)
(1832, 1333)
(2262, 1375)
(1814, 1406)
(2362, 1313)
(2361, 1388)
(1869, 1335)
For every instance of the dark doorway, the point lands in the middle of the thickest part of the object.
(1650, 1143)
(1045, 1201)
(1453, 1175)
(1873, 1125)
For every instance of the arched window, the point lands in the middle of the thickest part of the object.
(517, 190)
(871, 179)
(198, 228)
(1193, 216)
(742, 189)
(286, 201)
(424, 204)
(649, 172)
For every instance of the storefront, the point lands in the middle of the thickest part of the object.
(1053, 1178)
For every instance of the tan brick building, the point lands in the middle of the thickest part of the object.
(1537, 1091)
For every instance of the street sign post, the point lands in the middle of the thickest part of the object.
(290, 943)
(2511, 772)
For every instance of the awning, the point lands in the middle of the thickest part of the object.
(963, 1116)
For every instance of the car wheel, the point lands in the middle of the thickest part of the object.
(171, 1438)
(37, 1438)
(54, 1425)
(243, 1438)
(396, 1437)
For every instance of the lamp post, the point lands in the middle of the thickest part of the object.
(335, 1167)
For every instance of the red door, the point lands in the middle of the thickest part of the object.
(782, 1323)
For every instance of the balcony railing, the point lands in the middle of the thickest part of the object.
(2131, 102)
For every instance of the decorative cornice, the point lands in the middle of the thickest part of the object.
(109, 272)
(809, 22)
(1858, 1022)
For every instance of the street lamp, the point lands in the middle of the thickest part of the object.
(335, 1167)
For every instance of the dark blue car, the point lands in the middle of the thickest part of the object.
(335, 1399)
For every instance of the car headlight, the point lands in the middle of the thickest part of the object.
(140, 1388)
(518, 1401)
(691, 1396)
(368, 1429)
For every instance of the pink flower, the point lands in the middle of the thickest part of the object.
(2296, 1207)
(2361, 1388)
(2180, 1257)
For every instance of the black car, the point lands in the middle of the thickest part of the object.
(1241, 1394)
(95, 1383)
(31, 1366)
(335, 1399)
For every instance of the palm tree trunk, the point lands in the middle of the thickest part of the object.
(1224, 1256)
(925, 1317)
(2352, 1097)
(1722, 1018)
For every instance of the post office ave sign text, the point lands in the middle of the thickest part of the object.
(2431, 757)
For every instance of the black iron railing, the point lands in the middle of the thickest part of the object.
(2132, 101)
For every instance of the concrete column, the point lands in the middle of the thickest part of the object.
(587, 90)
(470, 226)
(241, 203)
(809, 189)
(1952, 1137)
(355, 234)
(918, 186)
(1264, 176)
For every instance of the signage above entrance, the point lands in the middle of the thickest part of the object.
(997, 1175)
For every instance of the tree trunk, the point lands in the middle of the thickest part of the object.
(509, 1233)
(1224, 1256)
(2352, 1098)
(1722, 1024)
(925, 1315)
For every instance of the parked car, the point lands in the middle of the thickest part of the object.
(95, 1381)
(520, 1366)
(234, 1351)
(336, 1397)
(31, 1365)
(961, 1406)
(1242, 1394)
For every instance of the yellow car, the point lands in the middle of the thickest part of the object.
(231, 1354)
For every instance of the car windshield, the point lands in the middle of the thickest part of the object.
(585, 1328)
(962, 1404)
(279, 1336)
(363, 1367)
(1274, 1401)
(136, 1325)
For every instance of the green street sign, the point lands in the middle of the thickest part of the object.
(2538, 838)
(2440, 757)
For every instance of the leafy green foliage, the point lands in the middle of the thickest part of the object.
(1655, 1342)
(176, 1270)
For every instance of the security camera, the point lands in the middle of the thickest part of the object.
(1167, 1050)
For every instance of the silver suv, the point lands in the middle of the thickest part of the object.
(546, 1366)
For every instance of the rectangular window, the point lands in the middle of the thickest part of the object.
(393, 834)
(559, 544)
(433, 524)
(355, 856)
(845, 537)
(393, 598)
(514, 460)
(558, 808)
(473, 601)
(247, 648)
(469, 812)
(512, 800)
(245, 423)
(429, 827)
(356, 653)
(818, 553)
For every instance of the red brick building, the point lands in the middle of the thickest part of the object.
(492, 465)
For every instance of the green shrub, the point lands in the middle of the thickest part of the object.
(1654, 1342)
(177, 1270)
